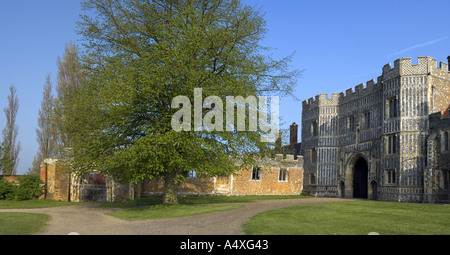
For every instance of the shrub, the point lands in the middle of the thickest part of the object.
(29, 187)
(6, 189)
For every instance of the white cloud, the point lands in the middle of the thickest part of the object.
(418, 46)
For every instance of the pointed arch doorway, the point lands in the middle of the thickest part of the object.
(356, 177)
(360, 178)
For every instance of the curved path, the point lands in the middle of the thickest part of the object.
(92, 220)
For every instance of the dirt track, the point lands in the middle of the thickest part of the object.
(92, 220)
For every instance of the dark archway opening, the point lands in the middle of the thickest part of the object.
(360, 175)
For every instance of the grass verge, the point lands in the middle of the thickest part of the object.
(353, 218)
(151, 207)
(190, 200)
(33, 203)
(22, 223)
(168, 211)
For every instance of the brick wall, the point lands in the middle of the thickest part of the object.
(59, 185)
(10, 178)
(268, 183)
(240, 183)
(56, 180)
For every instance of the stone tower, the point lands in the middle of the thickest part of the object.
(370, 142)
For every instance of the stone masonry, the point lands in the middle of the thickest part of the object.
(282, 175)
(371, 142)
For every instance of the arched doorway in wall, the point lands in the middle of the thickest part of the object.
(360, 176)
(91, 187)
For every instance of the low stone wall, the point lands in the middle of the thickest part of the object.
(240, 183)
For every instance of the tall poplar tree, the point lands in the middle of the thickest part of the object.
(46, 133)
(10, 145)
(70, 78)
(140, 55)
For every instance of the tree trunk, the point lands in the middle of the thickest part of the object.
(170, 188)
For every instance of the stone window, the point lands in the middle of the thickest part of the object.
(391, 147)
(256, 174)
(312, 179)
(314, 129)
(313, 156)
(390, 176)
(446, 179)
(393, 107)
(445, 141)
(366, 120)
(282, 175)
(351, 124)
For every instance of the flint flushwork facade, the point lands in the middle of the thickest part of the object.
(372, 141)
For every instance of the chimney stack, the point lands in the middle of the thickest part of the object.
(448, 59)
(293, 135)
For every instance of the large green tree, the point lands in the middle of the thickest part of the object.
(11, 147)
(46, 133)
(70, 79)
(139, 56)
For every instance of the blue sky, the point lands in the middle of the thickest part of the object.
(340, 44)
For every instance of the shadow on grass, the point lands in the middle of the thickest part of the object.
(196, 200)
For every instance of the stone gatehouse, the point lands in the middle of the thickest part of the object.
(374, 141)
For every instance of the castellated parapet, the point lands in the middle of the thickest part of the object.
(370, 140)
(402, 67)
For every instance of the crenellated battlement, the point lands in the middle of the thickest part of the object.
(424, 66)
(400, 67)
(321, 100)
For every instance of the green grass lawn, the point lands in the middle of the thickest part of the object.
(151, 207)
(353, 218)
(168, 211)
(33, 203)
(15, 223)
(190, 200)
(22, 223)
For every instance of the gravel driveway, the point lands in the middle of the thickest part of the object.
(92, 220)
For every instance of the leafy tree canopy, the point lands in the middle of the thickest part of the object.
(139, 55)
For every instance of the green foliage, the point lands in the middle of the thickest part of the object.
(6, 189)
(141, 55)
(29, 187)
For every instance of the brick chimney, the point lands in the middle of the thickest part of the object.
(448, 59)
(293, 135)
